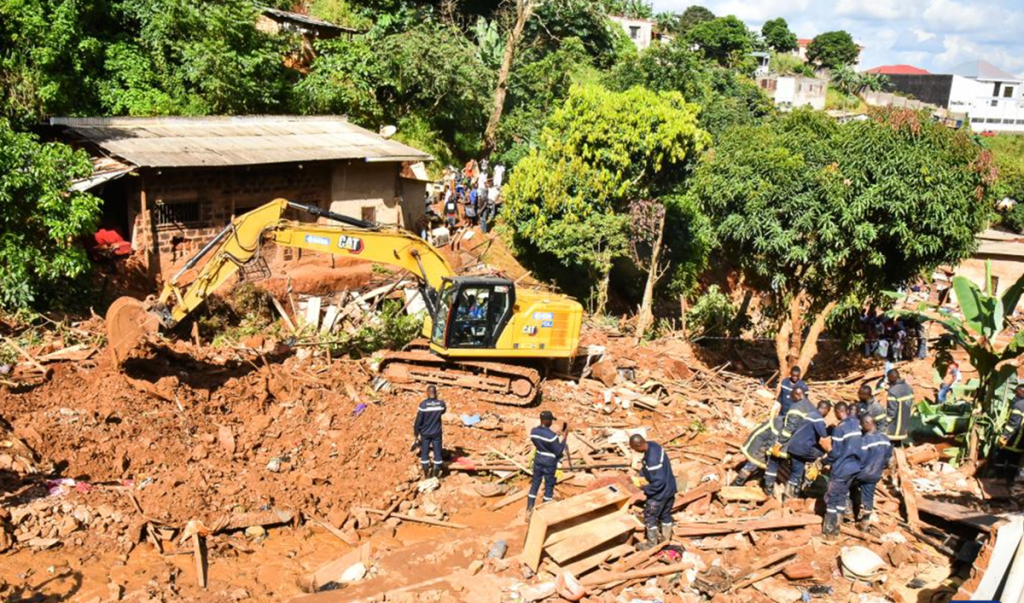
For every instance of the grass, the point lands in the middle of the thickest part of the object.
(836, 99)
(1008, 149)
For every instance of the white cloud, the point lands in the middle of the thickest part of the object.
(880, 10)
(959, 49)
(950, 16)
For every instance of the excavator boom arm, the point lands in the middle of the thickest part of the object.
(242, 239)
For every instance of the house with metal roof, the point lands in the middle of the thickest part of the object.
(1000, 254)
(168, 184)
(992, 98)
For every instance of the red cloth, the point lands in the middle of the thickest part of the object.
(113, 241)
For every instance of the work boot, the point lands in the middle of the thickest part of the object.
(653, 539)
(830, 528)
(426, 471)
(666, 532)
(438, 470)
(790, 492)
(741, 478)
(867, 523)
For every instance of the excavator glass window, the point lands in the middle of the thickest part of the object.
(475, 314)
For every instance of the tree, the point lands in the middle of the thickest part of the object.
(846, 79)
(694, 15)
(833, 49)
(632, 9)
(778, 36)
(724, 40)
(726, 97)
(524, 9)
(598, 152)
(667, 22)
(818, 213)
(41, 219)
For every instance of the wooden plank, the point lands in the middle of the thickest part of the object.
(952, 512)
(578, 568)
(331, 572)
(1008, 538)
(761, 575)
(774, 523)
(199, 550)
(329, 318)
(576, 529)
(695, 494)
(658, 570)
(284, 315)
(769, 560)
(551, 514)
(598, 533)
(907, 486)
(313, 312)
(429, 522)
(742, 494)
(333, 530)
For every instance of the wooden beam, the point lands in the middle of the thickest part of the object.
(591, 535)
(429, 522)
(909, 494)
(695, 494)
(584, 565)
(761, 575)
(610, 577)
(773, 523)
(199, 550)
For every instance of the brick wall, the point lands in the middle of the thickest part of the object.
(208, 198)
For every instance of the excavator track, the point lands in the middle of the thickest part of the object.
(495, 382)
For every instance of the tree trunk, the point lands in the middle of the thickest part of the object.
(810, 345)
(645, 318)
(737, 321)
(782, 347)
(602, 291)
(524, 8)
(796, 321)
(682, 314)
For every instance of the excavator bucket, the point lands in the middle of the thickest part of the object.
(128, 323)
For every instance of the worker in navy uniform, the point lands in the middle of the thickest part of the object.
(1011, 439)
(793, 382)
(803, 440)
(549, 450)
(845, 462)
(427, 429)
(756, 448)
(867, 404)
(660, 490)
(875, 454)
(899, 403)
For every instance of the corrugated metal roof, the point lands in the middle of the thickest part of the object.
(303, 19)
(997, 242)
(227, 141)
(901, 69)
(983, 70)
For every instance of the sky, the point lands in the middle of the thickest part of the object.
(936, 35)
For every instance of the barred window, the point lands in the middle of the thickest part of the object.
(166, 214)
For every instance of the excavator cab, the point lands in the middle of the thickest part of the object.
(472, 312)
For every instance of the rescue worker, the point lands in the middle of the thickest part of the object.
(451, 208)
(660, 491)
(548, 453)
(427, 430)
(875, 454)
(756, 448)
(1011, 439)
(786, 388)
(898, 405)
(845, 462)
(867, 404)
(803, 440)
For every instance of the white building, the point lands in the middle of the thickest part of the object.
(992, 98)
(790, 91)
(640, 31)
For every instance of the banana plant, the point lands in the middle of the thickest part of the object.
(977, 331)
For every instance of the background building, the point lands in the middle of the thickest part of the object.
(170, 184)
(640, 31)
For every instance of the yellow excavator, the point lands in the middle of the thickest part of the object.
(483, 333)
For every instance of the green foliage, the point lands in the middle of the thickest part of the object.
(828, 210)
(632, 9)
(837, 99)
(599, 151)
(849, 82)
(788, 64)
(392, 329)
(490, 43)
(341, 12)
(977, 332)
(711, 314)
(556, 21)
(726, 98)
(430, 79)
(41, 220)
(724, 40)
(777, 35)
(833, 49)
(694, 15)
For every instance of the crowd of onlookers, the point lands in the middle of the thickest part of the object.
(470, 196)
(893, 338)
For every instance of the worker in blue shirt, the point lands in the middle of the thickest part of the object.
(898, 406)
(427, 430)
(867, 404)
(803, 440)
(1011, 438)
(845, 462)
(549, 450)
(875, 453)
(793, 382)
(660, 490)
(756, 448)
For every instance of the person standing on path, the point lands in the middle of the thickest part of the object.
(427, 430)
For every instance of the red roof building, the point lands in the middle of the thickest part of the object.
(898, 70)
